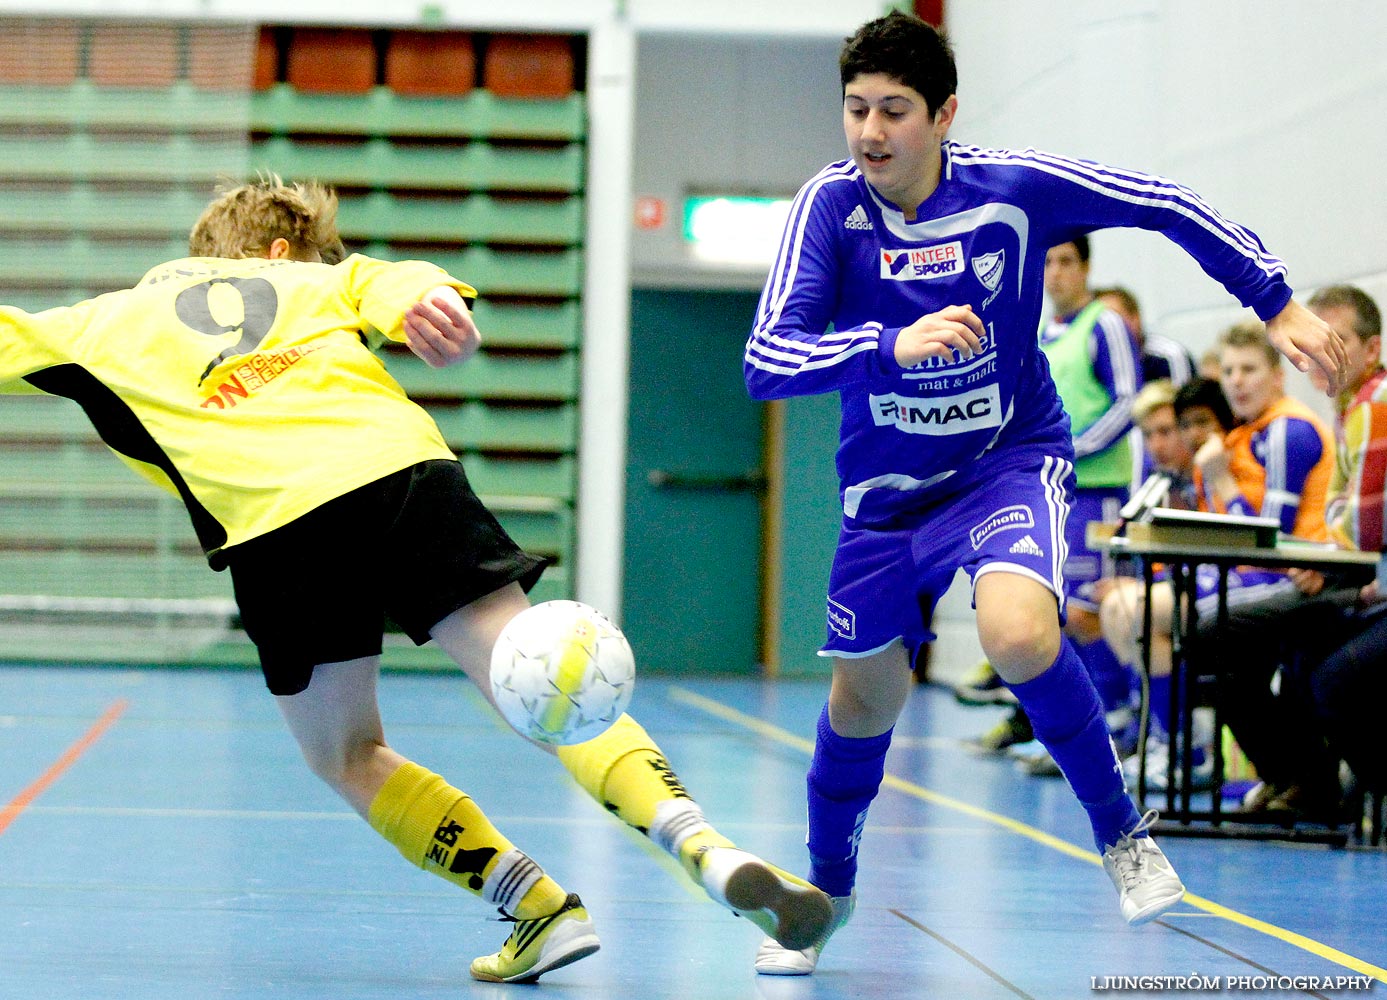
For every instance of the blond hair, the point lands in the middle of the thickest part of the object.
(1152, 397)
(1251, 333)
(243, 221)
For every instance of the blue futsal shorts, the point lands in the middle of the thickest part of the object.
(886, 581)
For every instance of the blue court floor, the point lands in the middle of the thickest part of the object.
(160, 838)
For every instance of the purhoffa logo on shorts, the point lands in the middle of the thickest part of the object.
(842, 620)
(1015, 516)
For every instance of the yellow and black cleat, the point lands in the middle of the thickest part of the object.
(540, 945)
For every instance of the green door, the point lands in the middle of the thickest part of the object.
(692, 594)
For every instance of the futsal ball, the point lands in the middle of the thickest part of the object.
(561, 672)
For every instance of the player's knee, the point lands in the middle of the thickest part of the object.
(1020, 645)
(863, 709)
(338, 763)
(851, 710)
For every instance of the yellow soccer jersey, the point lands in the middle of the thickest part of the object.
(244, 386)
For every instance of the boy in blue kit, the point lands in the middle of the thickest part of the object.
(926, 259)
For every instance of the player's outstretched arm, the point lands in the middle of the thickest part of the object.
(439, 328)
(940, 334)
(1311, 345)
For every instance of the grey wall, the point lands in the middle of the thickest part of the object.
(755, 116)
(751, 115)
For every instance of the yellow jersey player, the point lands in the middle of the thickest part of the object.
(240, 378)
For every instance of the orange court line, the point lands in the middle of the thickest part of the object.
(20, 802)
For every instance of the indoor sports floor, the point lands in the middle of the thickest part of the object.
(160, 839)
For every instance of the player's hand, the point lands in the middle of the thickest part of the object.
(939, 335)
(1311, 345)
(439, 328)
(1212, 457)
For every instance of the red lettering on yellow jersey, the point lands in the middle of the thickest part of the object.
(253, 374)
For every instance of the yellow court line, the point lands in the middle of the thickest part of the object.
(775, 733)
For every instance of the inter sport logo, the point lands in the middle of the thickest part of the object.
(922, 263)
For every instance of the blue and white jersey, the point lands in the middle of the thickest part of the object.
(851, 273)
(1164, 358)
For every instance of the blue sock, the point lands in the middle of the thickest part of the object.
(1068, 720)
(844, 777)
(1111, 676)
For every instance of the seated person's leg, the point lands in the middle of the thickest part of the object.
(1087, 575)
(1349, 688)
(1275, 729)
(1121, 614)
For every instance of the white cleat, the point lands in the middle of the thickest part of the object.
(540, 945)
(1147, 885)
(774, 959)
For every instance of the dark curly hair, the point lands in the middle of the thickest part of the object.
(1205, 392)
(904, 48)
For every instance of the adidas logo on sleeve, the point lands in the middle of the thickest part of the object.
(858, 219)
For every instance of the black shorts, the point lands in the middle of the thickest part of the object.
(416, 545)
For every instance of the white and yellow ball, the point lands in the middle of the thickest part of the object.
(562, 672)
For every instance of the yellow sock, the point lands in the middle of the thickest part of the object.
(624, 770)
(443, 831)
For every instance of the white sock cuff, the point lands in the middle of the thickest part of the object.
(514, 875)
(676, 820)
